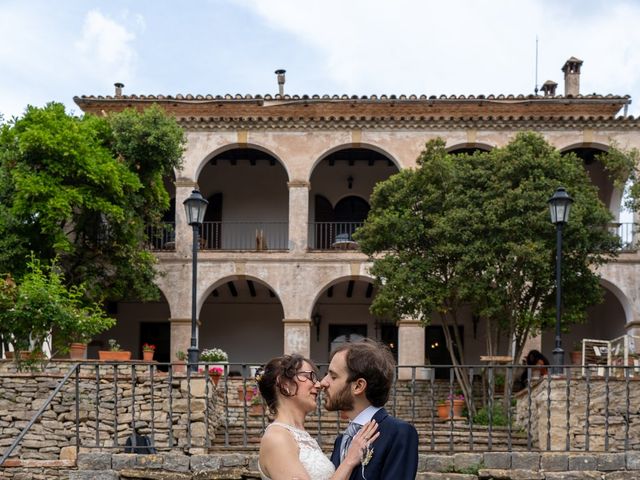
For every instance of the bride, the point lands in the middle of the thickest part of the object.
(289, 386)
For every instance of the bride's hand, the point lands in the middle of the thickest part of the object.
(361, 442)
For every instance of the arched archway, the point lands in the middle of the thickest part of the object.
(469, 148)
(138, 322)
(341, 184)
(341, 313)
(608, 194)
(248, 201)
(243, 316)
(604, 321)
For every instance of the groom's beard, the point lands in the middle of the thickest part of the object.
(342, 400)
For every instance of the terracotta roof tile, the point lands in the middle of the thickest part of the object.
(383, 106)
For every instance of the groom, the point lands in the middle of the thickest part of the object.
(358, 383)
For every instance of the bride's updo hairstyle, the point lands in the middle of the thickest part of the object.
(279, 373)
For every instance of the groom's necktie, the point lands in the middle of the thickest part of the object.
(348, 435)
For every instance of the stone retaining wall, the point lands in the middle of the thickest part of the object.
(461, 466)
(106, 410)
(598, 408)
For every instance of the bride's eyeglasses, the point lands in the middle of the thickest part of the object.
(304, 375)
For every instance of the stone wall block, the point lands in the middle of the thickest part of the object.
(205, 462)
(438, 463)
(510, 474)
(94, 461)
(497, 460)
(554, 462)
(525, 460)
(582, 462)
(583, 475)
(608, 462)
(466, 460)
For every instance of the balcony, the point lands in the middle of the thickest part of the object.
(162, 237)
(246, 236)
(333, 235)
(627, 233)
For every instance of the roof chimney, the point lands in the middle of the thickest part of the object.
(118, 89)
(571, 71)
(549, 88)
(280, 73)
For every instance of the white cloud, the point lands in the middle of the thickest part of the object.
(463, 46)
(107, 47)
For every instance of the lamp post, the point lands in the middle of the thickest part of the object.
(559, 207)
(194, 206)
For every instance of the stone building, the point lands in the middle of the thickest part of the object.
(288, 179)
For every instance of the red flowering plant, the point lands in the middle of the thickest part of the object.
(216, 371)
(148, 347)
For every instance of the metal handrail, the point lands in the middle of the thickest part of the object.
(40, 411)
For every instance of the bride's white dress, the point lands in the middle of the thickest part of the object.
(315, 462)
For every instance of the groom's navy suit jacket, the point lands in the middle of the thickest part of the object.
(395, 452)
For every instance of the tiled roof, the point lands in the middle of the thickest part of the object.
(327, 108)
(373, 98)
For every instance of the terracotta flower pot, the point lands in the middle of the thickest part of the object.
(30, 355)
(215, 378)
(119, 356)
(576, 357)
(78, 351)
(444, 409)
(242, 397)
(256, 410)
(147, 355)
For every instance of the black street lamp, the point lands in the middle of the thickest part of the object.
(194, 206)
(559, 207)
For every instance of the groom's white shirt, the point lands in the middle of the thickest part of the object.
(365, 416)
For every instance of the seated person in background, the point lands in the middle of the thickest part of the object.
(534, 357)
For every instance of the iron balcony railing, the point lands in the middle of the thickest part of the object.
(627, 232)
(162, 237)
(333, 235)
(100, 405)
(244, 236)
(322, 236)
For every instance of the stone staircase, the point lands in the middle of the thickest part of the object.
(440, 438)
(244, 429)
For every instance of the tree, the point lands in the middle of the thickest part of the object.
(31, 310)
(82, 190)
(472, 232)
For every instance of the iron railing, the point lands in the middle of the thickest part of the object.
(587, 410)
(333, 235)
(244, 236)
(322, 235)
(627, 233)
(162, 237)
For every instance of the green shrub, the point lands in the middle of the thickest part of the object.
(499, 416)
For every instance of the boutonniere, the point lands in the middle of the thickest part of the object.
(367, 455)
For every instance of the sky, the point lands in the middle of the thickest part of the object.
(55, 50)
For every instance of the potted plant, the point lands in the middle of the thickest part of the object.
(257, 407)
(214, 355)
(148, 350)
(576, 353)
(215, 373)
(181, 365)
(81, 328)
(115, 353)
(453, 403)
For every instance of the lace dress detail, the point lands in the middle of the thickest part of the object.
(314, 461)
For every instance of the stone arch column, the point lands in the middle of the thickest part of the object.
(411, 338)
(184, 232)
(298, 215)
(297, 336)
